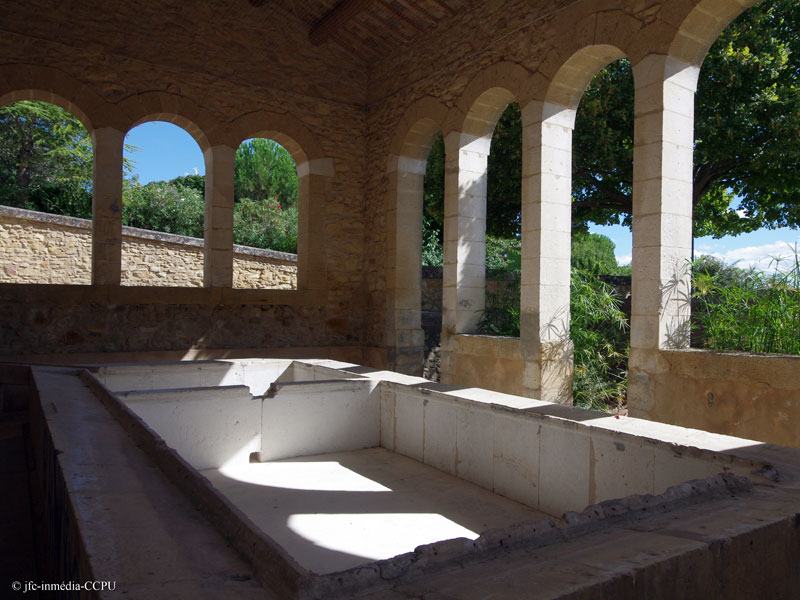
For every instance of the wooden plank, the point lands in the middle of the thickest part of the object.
(415, 7)
(443, 6)
(399, 16)
(328, 25)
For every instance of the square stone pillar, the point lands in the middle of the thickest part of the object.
(404, 334)
(107, 206)
(218, 225)
(464, 272)
(312, 177)
(662, 218)
(546, 241)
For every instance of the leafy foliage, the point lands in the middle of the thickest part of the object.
(265, 225)
(504, 175)
(602, 148)
(748, 123)
(45, 159)
(598, 327)
(264, 172)
(432, 246)
(164, 206)
(594, 253)
(433, 188)
(747, 310)
(599, 332)
(747, 131)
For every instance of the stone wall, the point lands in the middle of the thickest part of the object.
(745, 395)
(41, 248)
(245, 73)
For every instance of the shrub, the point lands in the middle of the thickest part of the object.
(163, 206)
(265, 225)
(432, 247)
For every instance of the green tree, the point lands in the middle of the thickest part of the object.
(45, 159)
(504, 175)
(593, 253)
(747, 137)
(265, 171)
(747, 131)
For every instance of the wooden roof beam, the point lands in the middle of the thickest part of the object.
(443, 6)
(328, 25)
(400, 17)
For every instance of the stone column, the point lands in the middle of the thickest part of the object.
(464, 273)
(662, 218)
(405, 336)
(546, 238)
(218, 225)
(312, 177)
(107, 206)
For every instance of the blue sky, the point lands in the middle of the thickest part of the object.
(167, 151)
(757, 249)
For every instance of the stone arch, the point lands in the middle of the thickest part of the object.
(406, 170)
(467, 144)
(28, 82)
(180, 111)
(53, 87)
(547, 223)
(287, 130)
(572, 78)
(702, 27)
(486, 96)
(314, 171)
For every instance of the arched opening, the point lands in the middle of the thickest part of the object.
(265, 216)
(466, 216)
(503, 226)
(549, 283)
(46, 160)
(602, 207)
(163, 207)
(433, 258)
(414, 222)
(491, 362)
(746, 185)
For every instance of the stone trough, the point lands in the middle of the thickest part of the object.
(332, 478)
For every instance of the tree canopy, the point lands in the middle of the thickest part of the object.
(747, 131)
(45, 159)
(265, 171)
(747, 137)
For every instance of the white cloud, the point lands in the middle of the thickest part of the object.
(624, 260)
(761, 257)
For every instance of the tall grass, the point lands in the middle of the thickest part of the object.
(747, 310)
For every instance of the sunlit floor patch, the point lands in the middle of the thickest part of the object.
(336, 511)
(355, 534)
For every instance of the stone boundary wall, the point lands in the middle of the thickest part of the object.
(38, 248)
